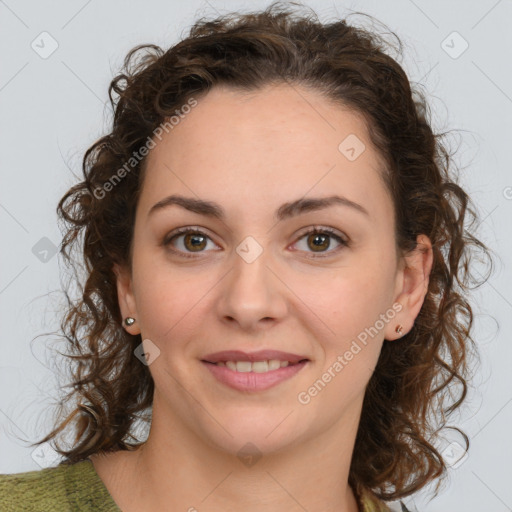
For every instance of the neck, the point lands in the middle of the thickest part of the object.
(183, 472)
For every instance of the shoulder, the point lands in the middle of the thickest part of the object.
(66, 487)
(370, 503)
(33, 491)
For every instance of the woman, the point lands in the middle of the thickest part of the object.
(276, 270)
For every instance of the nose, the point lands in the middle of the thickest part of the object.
(252, 295)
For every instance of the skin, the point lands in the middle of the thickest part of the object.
(250, 153)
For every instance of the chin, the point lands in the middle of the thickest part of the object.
(261, 433)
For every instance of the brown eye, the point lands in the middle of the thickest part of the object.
(193, 241)
(186, 241)
(319, 240)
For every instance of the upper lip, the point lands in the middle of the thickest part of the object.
(260, 355)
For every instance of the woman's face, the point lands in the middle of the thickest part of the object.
(255, 278)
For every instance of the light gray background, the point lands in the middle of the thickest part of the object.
(53, 108)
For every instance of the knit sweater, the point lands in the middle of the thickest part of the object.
(71, 488)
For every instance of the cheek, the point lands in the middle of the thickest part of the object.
(350, 306)
(169, 301)
(347, 300)
(347, 306)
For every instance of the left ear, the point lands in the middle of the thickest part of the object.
(412, 286)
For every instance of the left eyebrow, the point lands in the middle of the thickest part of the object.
(317, 203)
(287, 210)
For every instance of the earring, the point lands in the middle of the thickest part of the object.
(129, 320)
(399, 329)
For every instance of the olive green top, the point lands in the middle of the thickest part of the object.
(73, 488)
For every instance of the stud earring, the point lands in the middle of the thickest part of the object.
(399, 329)
(129, 320)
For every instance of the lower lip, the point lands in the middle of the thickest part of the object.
(252, 381)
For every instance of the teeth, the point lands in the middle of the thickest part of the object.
(259, 366)
(274, 364)
(256, 366)
(243, 366)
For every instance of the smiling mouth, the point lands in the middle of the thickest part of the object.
(263, 366)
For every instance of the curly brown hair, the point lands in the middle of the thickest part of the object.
(421, 378)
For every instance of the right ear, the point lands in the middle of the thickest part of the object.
(126, 297)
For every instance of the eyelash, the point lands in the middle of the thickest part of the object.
(315, 230)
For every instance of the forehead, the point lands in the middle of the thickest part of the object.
(277, 142)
